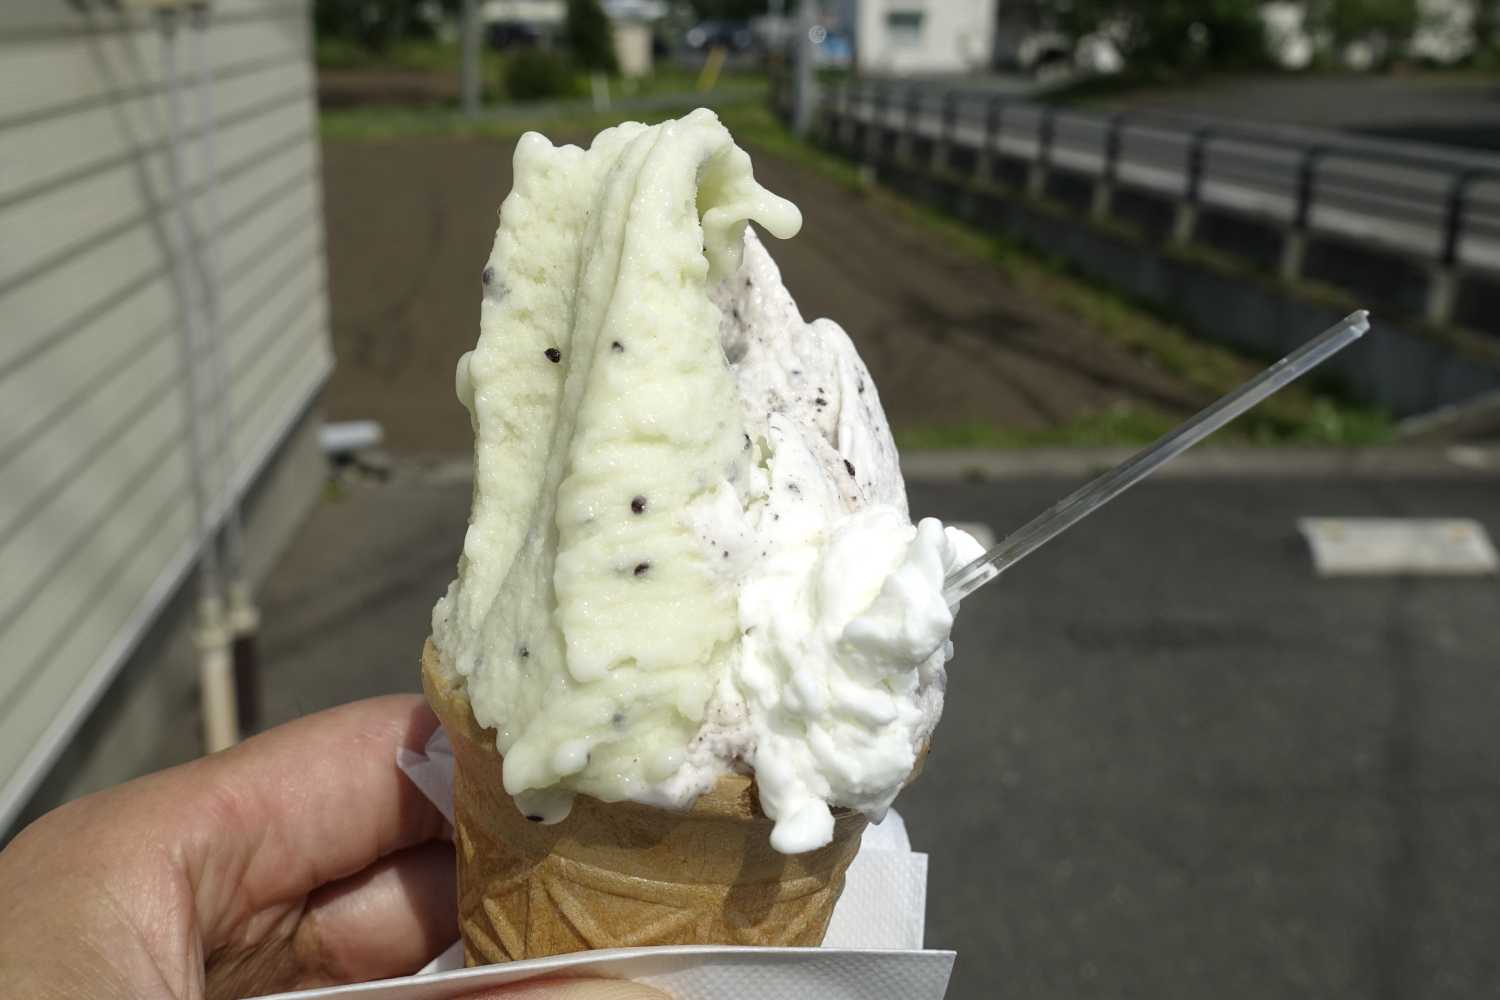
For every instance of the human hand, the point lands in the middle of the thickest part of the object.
(299, 858)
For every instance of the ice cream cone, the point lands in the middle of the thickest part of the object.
(623, 874)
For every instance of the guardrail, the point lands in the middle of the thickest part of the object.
(1437, 206)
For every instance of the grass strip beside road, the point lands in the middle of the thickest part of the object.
(1305, 413)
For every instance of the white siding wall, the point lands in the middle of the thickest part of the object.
(950, 36)
(96, 516)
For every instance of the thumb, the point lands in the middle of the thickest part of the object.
(572, 989)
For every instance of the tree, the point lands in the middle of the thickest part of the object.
(1385, 26)
(372, 23)
(589, 36)
(1166, 37)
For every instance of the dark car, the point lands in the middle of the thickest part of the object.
(511, 35)
(735, 36)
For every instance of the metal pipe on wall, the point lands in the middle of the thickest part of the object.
(243, 618)
(211, 636)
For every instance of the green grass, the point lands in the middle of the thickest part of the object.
(411, 55)
(1113, 426)
(1301, 414)
(445, 58)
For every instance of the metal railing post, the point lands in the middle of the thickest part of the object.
(1036, 175)
(984, 165)
(906, 134)
(844, 135)
(1294, 248)
(1185, 222)
(942, 150)
(875, 121)
(1442, 281)
(1104, 185)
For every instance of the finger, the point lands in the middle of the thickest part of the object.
(305, 804)
(389, 920)
(571, 989)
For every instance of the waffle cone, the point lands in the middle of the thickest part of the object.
(623, 874)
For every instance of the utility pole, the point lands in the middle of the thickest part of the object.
(804, 92)
(472, 32)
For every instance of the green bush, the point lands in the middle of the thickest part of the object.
(536, 74)
(590, 37)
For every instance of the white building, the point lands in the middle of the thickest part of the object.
(924, 36)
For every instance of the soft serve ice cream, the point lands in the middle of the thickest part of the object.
(689, 550)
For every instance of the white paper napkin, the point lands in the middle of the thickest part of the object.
(872, 950)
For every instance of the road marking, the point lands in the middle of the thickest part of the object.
(1374, 546)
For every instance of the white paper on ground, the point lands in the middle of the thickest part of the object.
(1382, 546)
(872, 950)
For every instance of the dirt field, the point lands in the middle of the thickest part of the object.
(949, 340)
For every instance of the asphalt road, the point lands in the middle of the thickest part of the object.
(1451, 110)
(1393, 193)
(1174, 762)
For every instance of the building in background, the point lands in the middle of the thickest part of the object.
(924, 36)
(632, 25)
(97, 519)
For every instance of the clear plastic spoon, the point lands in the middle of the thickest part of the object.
(1090, 497)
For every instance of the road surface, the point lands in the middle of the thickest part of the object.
(1174, 763)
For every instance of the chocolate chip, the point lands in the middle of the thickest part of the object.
(553, 355)
(638, 505)
(726, 553)
(523, 652)
(861, 387)
(747, 442)
(618, 719)
(617, 347)
(640, 568)
(849, 465)
(794, 488)
(488, 275)
(735, 311)
(821, 401)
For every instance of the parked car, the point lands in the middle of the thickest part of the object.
(735, 36)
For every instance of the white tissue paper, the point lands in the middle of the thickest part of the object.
(872, 951)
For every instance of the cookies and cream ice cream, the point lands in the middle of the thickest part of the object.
(689, 550)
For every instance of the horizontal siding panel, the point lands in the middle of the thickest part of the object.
(68, 452)
(23, 20)
(63, 149)
(82, 367)
(60, 75)
(58, 223)
(88, 503)
(58, 294)
(56, 486)
(89, 617)
(248, 344)
(300, 371)
(56, 595)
